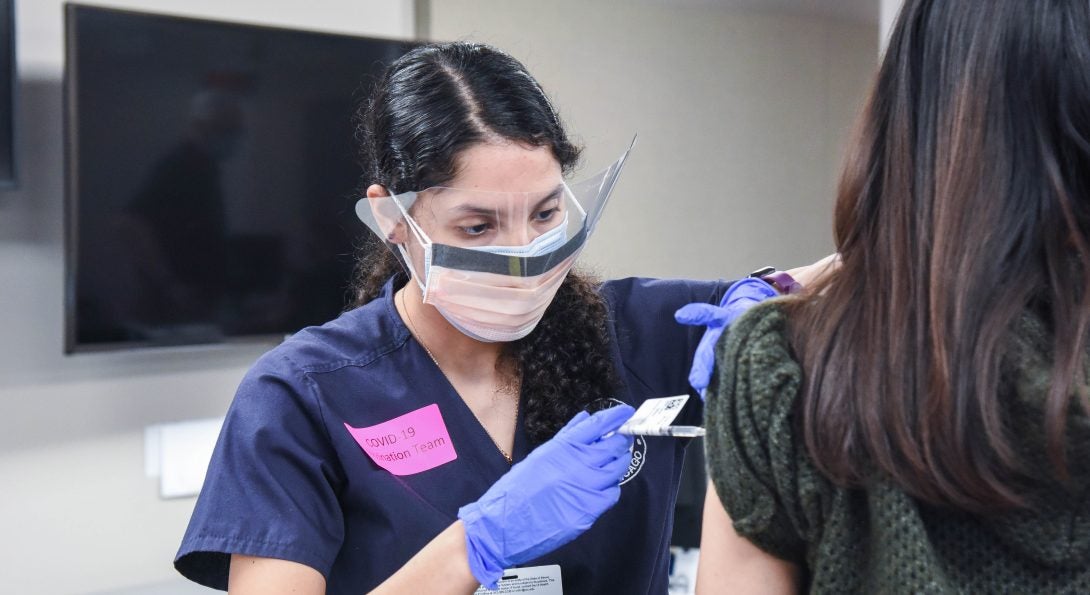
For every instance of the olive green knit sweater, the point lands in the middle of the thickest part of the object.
(880, 540)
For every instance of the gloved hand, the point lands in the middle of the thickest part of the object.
(741, 296)
(549, 498)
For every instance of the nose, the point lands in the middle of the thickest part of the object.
(517, 234)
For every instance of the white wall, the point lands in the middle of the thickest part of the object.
(889, 11)
(76, 512)
(741, 117)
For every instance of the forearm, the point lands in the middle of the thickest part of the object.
(568, 481)
(442, 567)
(811, 274)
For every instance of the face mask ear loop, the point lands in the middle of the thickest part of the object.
(425, 243)
(585, 222)
(578, 206)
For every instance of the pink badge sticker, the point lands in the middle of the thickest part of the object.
(408, 444)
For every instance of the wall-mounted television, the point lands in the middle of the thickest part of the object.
(210, 176)
(8, 80)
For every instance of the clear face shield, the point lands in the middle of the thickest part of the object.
(489, 261)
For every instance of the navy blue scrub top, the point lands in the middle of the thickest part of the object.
(288, 481)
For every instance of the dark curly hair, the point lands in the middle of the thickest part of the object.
(430, 105)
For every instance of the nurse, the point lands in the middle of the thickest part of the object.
(435, 434)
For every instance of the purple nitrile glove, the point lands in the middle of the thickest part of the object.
(741, 296)
(549, 498)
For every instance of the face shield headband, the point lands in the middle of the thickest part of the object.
(513, 249)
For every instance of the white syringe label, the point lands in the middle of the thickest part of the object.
(653, 415)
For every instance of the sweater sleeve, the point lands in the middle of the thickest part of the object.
(752, 454)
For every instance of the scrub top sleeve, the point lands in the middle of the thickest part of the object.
(753, 460)
(655, 349)
(271, 487)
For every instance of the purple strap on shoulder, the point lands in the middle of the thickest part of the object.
(785, 282)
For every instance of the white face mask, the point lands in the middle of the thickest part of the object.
(542, 244)
(494, 307)
(489, 307)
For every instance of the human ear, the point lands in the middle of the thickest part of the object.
(386, 214)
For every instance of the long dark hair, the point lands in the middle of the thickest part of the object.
(430, 105)
(963, 205)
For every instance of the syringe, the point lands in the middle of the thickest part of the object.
(674, 431)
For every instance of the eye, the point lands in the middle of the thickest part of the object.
(475, 230)
(547, 214)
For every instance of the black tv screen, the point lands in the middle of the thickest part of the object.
(8, 78)
(210, 176)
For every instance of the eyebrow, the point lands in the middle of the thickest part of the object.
(553, 195)
(468, 209)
